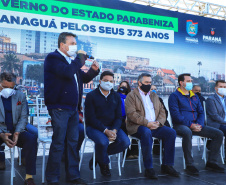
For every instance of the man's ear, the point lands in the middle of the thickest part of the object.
(61, 45)
(180, 83)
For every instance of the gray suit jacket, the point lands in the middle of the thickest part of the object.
(19, 113)
(215, 111)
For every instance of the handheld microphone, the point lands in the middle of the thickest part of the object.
(87, 56)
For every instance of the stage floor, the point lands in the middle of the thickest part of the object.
(130, 173)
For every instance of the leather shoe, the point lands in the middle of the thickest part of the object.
(29, 181)
(104, 169)
(214, 167)
(91, 164)
(150, 173)
(192, 170)
(78, 181)
(2, 165)
(169, 170)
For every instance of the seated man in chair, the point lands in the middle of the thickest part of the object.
(145, 119)
(216, 108)
(13, 120)
(103, 117)
(188, 119)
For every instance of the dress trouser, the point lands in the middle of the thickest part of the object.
(215, 134)
(65, 126)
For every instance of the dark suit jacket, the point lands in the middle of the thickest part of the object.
(215, 111)
(60, 88)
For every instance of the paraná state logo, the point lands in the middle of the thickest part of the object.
(212, 31)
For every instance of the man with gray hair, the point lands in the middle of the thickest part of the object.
(13, 120)
(145, 119)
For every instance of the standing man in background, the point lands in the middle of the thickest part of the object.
(197, 90)
(63, 80)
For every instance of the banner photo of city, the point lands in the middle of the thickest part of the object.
(124, 38)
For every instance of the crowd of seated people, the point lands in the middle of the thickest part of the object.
(113, 115)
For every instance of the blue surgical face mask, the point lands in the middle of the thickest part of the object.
(188, 86)
(154, 91)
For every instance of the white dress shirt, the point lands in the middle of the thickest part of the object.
(148, 106)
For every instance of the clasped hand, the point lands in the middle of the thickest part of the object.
(111, 134)
(196, 127)
(10, 143)
(152, 125)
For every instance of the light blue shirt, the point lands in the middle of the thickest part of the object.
(223, 103)
(69, 61)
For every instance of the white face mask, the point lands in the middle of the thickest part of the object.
(72, 50)
(107, 86)
(7, 92)
(222, 91)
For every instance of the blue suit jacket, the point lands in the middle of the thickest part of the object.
(215, 111)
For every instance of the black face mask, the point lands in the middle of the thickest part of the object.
(123, 90)
(198, 93)
(145, 88)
